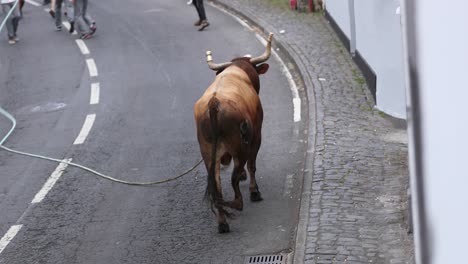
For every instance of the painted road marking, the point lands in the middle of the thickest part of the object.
(94, 99)
(92, 67)
(292, 83)
(88, 124)
(295, 93)
(83, 48)
(50, 182)
(10, 234)
(34, 3)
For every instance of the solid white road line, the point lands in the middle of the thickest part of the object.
(10, 234)
(94, 99)
(50, 182)
(92, 67)
(34, 3)
(88, 124)
(83, 48)
(295, 93)
(292, 84)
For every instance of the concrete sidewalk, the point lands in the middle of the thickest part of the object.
(354, 203)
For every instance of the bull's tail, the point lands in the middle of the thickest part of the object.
(211, 190)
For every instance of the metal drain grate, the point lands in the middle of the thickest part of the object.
(266, 259)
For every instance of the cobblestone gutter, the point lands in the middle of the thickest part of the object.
(359, 173)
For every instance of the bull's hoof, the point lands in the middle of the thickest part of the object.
(223, 228)
(243, 176)
(255, 196)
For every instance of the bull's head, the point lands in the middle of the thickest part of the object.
(262, 68)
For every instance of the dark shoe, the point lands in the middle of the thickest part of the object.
(197, 23)
(72, 27)
(52, 13)
(58, 28)
(203, 25)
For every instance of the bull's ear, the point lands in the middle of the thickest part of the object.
(262, 68)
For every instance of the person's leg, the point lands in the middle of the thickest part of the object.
(81, 25)
(87, 18)
(201, 12)
(58, 14)
(70, 14)
(16, 17)
(21, 4)
(201, 9)
(195, 4)
(9, 23)
(70, 11)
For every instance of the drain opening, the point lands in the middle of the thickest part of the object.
(265, 259)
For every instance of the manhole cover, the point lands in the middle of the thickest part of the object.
(266, 259)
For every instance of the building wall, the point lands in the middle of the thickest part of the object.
(340, 11)
(378, 41)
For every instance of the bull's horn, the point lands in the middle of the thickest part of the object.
(266, 54)
(215, 66)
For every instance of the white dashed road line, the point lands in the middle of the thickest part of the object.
(92, 68)
(10, 234)
(95, 90)
(50, 182)
(88, 124)
(83, 48)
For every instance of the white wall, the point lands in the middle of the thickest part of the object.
(442, 64)
(378, 40)
(338, 9)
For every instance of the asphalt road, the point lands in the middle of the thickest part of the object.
(151, 70)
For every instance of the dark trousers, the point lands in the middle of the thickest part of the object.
(200, 9)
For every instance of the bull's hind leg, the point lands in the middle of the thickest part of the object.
(255, 195)
(223, 226)
(237, 175)
(237, 204)
(217, 198)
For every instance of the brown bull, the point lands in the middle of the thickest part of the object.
(229, 119)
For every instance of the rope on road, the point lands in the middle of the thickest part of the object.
(13, 120)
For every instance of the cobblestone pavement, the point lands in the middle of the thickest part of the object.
(358, 158)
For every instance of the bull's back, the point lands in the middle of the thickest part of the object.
(238, 102)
